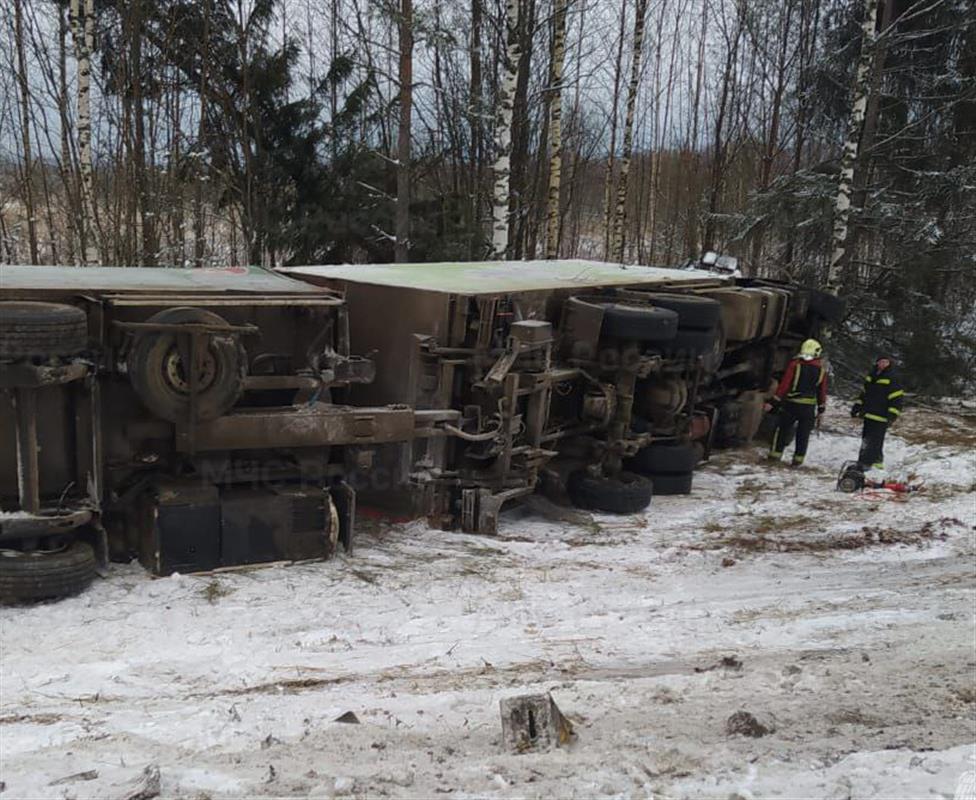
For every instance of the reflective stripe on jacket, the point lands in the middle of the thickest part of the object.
(804, 382)
(881, 395)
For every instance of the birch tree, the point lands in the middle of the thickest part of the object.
(476, 123)
(503, 132)
(555, 128)
(620, 213)
(83, 30)
(608, 187)
(859, 104)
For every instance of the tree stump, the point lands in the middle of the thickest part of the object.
(533, 722)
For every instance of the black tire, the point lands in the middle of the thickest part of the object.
(39, 575)
(42, 330)
(156, 369)
(694, 312)
(689, 344)
(828, 307)
(639, 323)
(667, 485)
(668, 458)
(626, 494)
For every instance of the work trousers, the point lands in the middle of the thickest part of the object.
(800, 417)
(872, 444)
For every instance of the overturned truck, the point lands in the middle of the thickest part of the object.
(207, 418)
(598, 384)
(192, 418)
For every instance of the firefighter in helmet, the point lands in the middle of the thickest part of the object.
(800, 398)
(878, 404)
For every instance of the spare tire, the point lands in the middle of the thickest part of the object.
(43, 575)
(625, 494)
(655, 458)
(159, 377)
(639, 323)
(41, 330)
(694, 311)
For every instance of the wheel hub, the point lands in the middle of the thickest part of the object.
(177, 375)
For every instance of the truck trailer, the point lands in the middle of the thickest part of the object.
(598, 384)
(193, 418)
(201, 419)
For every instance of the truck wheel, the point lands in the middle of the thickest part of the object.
(667, 484)
(159, 376)
(626, 494)
(639, 323)
(664, 458)
(634, 321)
(691, 344)
(41, 330)
(658, 396)
(694, 312)
(45, 574)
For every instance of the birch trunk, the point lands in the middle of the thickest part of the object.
(199, 233)
(620, 212)
(402, 246)
(71, 211)
(149, 247)
(555, 128)
(476, 122)
(859, 104)
(693, 244)
(609, 185)
(572, 208)
(83, 29)
(503, 133)
(25, 133)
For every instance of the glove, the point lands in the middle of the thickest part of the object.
(820, 410)
(856, 410)
(771, 405)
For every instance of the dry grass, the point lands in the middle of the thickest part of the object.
(965, 694)
(922, 426)
(767, 540)
(770, 523)
(214, 590)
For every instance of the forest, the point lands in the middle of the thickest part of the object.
(827, 142)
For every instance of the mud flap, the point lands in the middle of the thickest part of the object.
(344, 497)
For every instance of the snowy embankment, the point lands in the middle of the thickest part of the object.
(843, 623)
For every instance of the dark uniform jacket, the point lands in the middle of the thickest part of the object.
(881, 396)
(804, 382)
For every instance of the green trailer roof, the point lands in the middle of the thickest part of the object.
(244, 280)
(492, 277)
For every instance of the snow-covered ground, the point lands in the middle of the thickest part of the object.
(846, 624)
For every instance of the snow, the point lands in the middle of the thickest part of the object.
(860, 657)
